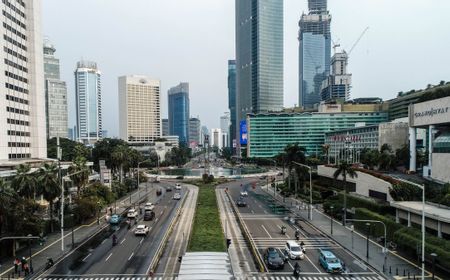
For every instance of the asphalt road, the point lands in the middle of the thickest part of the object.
(264, 224)
(132, 255)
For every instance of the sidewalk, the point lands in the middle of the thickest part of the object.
(52, 246)
(396, 266)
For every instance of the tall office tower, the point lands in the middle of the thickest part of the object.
(139, 109)
(194, 132)
(204, 132)
(23, 133)
(55, 95)
(259, 57)
(314, 52)
(232, 101)
(88, 91)
(164, 127)
(337, 85)
(225, 128)
(179, 112)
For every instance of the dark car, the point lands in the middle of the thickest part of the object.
(241, 203)
(168, 189)
(273, 259)
(149, 215)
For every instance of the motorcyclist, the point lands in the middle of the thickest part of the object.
(296, 269)
(302, 245)
(114, 239)
(49, 263)
(297, 234)
(129, 223)
(283, 229)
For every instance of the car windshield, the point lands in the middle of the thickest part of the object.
(295, 249)
(332, 260)
(273, 254)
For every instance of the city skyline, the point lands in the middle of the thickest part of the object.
(389, 42)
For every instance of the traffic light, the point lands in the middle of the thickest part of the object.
(228, 242)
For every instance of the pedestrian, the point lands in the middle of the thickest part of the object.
(16, 265)
(23, 261)
(110, 210)
(27, 269)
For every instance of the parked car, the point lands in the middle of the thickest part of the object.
(177, 196)
(132, 213)
(181, 177)
(244, 193)
(141, 230)
(330, 262)
(294, 250)
(158, 192)
(149, 206)
(241, 203)
(114, 220)
(168, 189)
(178, 186)
(273, 259)
(149, 215)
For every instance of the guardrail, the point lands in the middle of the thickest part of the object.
(262, 267)
(163, 243)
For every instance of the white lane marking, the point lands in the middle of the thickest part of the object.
(161, 213)
(86, 257)
(123, 240)
(104, 240)
(132, 254)
(265, 212)
(312, 263)
(156, 220)
(253, 212)
(289, 263)
(287, 236)
(264, 228)
(108, 257)
(142, 240)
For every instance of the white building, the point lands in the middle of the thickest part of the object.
(88, 90)
(139, 109)
(225, 127)
(22, 113)
(216, 138)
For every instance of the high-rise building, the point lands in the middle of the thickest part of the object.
(216, 138)
(165, 127)
(232, 100)
(204, 132)
(23, 133)
(314, 52)
(55, 95)
(259, 57)
(337, 85)
(225, 128)
(179, 112)
(88, 91)
(194, 132)
(139, 109)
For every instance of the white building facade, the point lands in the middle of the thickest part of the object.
(216, 138)
(23, 110)
(139, 109)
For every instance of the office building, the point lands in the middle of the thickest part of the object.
(268, 134)
(337, 85)
(88, 91)
(164, 127)
(139, 109)
(217, 139)
(259, 57)
(204, 133)
(225, 128)
(232, 101)
(314, 52)
(179, 112)
(55, 95)
(23, 133)
(194, 132)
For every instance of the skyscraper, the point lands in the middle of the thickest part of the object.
(259, 57)
(338, 83)
(164, 127)
(179, 112)
(23, 133)
(194, 132)
(314, 52)
(139, 109)
(232, 99)
(55, 95)
(225, 128)
(88, 102)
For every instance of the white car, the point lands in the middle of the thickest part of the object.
(132, 213)
(294, 250)
(149, 206)
(178, 186)
(244, 193)
(177, 196)
(141, 230)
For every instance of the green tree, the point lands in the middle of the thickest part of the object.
(402, 156)
(67, 146)
(24, 183)
(7, 201)
(370, 157)
(295, 153)
(79, 173)
(103, 150)
(120, 156)
(345, 169)
(48, 183)
(226, 153)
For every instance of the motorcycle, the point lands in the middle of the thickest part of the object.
(114, 240)
(297, 235)
(283, 230)
(302, 245)
(297, 270)
(49, 263)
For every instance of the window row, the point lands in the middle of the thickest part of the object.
(16, 99)
(13, 19)
(14, 53)
(19, 156)
(18, 133)
(19, 144)
(15, 65)
(17, 111)
(19, 122)
(16, 77)
(14, 42)
(16, 88)
(14, 31)
(21, 3)
(12, 7)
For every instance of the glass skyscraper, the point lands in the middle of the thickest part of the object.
(179, 112)
(232, 99)
(259, 57)
(314, 52)
(88, 102)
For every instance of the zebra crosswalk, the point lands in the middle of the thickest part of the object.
(310, 243)
(318, 277)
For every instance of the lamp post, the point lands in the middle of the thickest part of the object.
(73, 239)
(433, 256)
(368, 232)
(310, 186)
(422, 187)
(331, 218)
(98, 212)
(29, 250)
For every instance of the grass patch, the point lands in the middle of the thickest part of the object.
(207, 234)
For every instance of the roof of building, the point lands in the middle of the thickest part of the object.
(205, 265)
(431, 211)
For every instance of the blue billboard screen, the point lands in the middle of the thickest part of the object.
(243, 132)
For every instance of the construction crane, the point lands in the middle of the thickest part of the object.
(357, 40)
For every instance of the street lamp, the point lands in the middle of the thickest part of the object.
(422, 187)
(73, 239)
(310, 186)
(98, 212)
(433, 256)
(331, 218)
(368, 232)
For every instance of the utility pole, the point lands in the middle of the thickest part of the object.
(61, 183)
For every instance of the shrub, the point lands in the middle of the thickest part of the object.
(377, 230)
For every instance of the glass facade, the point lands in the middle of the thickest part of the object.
(232, 99)
(179, 112)
(314, 53)
(270, 133)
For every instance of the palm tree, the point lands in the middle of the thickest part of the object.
(345, 169)
(294, 153)
(48, 182)
(24, 183)
(326, 150)
(120, 155)
(80, 173)
(7, 198)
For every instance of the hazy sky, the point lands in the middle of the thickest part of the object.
(406, 47)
